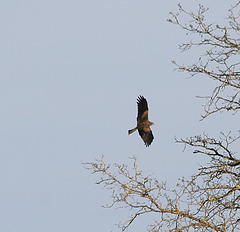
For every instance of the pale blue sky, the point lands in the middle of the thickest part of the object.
(70, 75)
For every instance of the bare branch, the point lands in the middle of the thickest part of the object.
(220, 57)
(189, 206)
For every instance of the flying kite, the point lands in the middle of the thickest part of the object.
(143, 125)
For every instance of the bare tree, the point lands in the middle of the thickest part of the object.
(210, 199)
(220, 57)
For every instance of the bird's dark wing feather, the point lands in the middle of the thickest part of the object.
(142, 109)
(146, 135)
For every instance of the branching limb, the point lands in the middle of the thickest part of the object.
(188, 206)
(220, 58)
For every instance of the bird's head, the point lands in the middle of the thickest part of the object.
(152, 123)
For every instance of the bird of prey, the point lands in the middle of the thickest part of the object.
(143, 125)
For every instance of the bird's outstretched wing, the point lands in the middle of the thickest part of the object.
(146, 135)
(142, 109)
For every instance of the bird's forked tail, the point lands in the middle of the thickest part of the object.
(131, 131)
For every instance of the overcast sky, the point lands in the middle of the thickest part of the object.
(70, 75)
